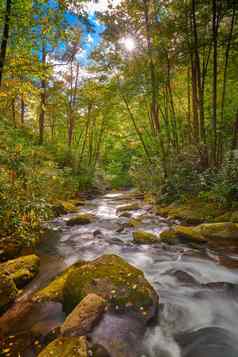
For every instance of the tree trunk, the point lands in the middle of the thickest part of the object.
(197, 69)
(235, 133)
(220, 136)
(154, 103)
(43, 101)
(214, 89)
(71, 117)
(5, 37)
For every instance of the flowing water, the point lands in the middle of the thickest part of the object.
(198, 287)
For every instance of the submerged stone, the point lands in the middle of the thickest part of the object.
(123, 287)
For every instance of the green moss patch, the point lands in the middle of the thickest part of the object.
(54, 291)
(81, 219)
(66, 347)
(22, 270)
(143, 237)
(120, 284)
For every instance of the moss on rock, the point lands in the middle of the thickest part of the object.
(54, 291)
(120, 284)
(207, 232)
(64, 207)
(134, 222)
(8, 291)
(22, 270)
(142, 237)
(182, 234)
(191, 212)
(219, 231)
(66, 347)
(83, 218)
(84, 317)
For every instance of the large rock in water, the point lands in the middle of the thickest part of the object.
(123, 287)
(219, 231)
(84, 317)
(208, 232)
(66, 347)
(54, 291)
(8, 291)
(22, 270)
(81, 219)
(143, 237)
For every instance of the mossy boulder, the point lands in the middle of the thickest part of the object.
(219, 231)
(54, 291)
(64, 207)
(123, 287)
(85, 316)
(181, 234)
(8, 291)
(22, 270)
(81, 219)
(143, 237)
(202, 233)
(125, 214)
(66, 347)
(129, 207)
(228, 217)
(191, 212)
(134, 222)
(10, 247)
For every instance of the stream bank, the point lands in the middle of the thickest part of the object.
(196, 284)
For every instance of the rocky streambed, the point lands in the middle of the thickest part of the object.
(118, 280)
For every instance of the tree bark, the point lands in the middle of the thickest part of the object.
(5, 37)
(228, 47)
(214, 85)
(43, 101)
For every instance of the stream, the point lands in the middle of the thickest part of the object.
(197, 286)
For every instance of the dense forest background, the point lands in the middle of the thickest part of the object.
(154, 107)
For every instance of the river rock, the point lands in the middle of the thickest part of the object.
(8, 291)
(203, 233)
(183, 234)
(54, 291)
(142, 237)
(66, 347)
(123, 287)
(191, 212)
(134, 222)
(207, 342)
(219, 231)
(129, 207)
(64, 207)
(84, 317)
(82, 218)
(22, 270)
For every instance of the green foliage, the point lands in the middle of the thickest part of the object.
(30, 181)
